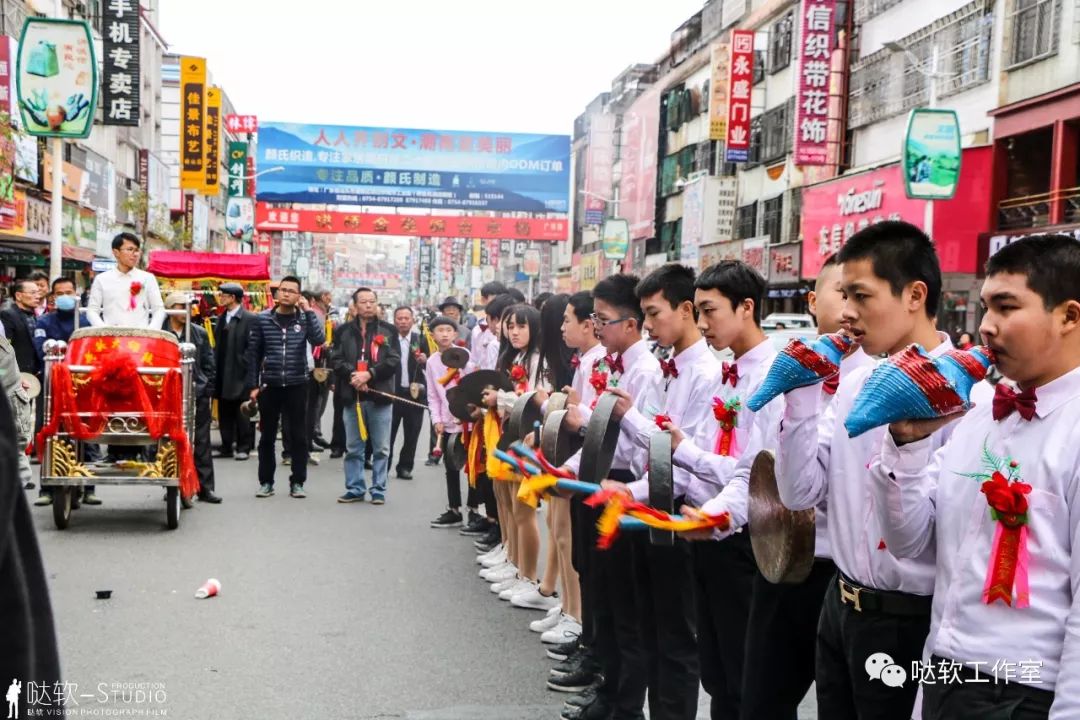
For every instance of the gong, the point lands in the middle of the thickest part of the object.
(782, 539)
(601, 439)
(661, 484)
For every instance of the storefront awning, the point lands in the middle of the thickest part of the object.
(175, 264)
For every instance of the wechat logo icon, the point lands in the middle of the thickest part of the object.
(880, 666)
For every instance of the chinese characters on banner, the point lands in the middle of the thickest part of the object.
(237, 165)
(241, 124)
(718, 91)
(121, 82)
(192, 107)
(739, 89)
(812, 101)
(212, 137)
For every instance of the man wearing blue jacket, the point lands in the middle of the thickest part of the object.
(277, 355)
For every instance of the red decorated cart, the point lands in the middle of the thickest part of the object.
(120, 387)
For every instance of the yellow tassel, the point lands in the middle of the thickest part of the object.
(329, 331)
(472, 467)
(429, 338)
(360, 423)
(496, 468)
(449, 375)
(608, 523)
(210, 331)
(532, 488)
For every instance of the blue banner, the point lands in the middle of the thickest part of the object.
(440, 170)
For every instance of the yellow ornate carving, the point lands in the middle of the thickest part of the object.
(165, 465)
(89, 357)
(64, 461)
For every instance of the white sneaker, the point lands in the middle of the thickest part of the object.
(568, 629)
(499, 587)
(513, 590)
(490, 554)
(497, 559)
(532, 599)
(502, 574)
(485, 571)
(552, 619)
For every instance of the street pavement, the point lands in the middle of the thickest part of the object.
(326, 610)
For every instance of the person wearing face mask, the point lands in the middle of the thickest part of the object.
(59, 325)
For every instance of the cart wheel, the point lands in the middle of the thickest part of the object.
(61, 507)
(172, 507)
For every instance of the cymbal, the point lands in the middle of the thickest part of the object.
(782, 539)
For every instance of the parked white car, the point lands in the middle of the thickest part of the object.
(788, 320)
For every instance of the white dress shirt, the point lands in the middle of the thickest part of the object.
(686, 400)
(110, 300)
(816, 461)
(640, 369)
(231, 314)
(403, 346)
(720, 482)
(927, 499)
(581, 381)
(484, 348)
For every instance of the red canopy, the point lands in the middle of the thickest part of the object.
(196, 265)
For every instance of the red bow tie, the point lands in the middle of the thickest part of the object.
(668, 366)
(731, 374)
(575, 362)
(1007, 400)
(831, 384)
(483, 327)
(614, 363)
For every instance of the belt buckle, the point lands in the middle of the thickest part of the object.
(850, 595)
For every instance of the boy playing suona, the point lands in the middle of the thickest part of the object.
(999, 503)
(880, 603)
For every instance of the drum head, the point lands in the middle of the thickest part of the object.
(601, 439)
(782, 539)
(661, 484)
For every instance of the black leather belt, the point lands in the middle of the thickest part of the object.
(889, 602)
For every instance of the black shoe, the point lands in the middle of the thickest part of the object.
(29, 486)
(404, 474)
(493, 536)
(431, 462)
(587, 696)
(186, 503)
(563, 651)
(208, 496)
(477, 525)
(335, 454)
(449, 519)
(368, 465)
(598, 709)
(574, 682)
(321, 442)
(582, 657)
(224, 454)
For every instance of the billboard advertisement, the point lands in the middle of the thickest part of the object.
(637, 188)
(435, 169)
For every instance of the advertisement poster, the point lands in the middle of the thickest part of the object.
(435, 169)
(212, 137)
(637, 187)
(931, 157)
(192, 110)
(57, 78)
(616, 238)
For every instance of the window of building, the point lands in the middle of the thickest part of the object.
(669, 173)
(794, 215)
(759, 67)
(776, 131)
(1035, 31)
(746, 221)
(1028, 159)
(754, 153)
(772, 218)
(780, 43)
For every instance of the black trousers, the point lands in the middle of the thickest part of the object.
(235, 428)
(337, 438)
(779, 666)
(412, 420)
(453, 475)
(981, 700)
(283, 405)
(846, 638)
(204, 458)
(582, 541)
(318, 393)
(619, 645)
(664, 582)
(723, 587)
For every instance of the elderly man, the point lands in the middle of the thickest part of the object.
(203, 372)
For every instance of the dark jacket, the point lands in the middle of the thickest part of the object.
(55, 326)
(277, 352)
(347, 351)
(204, 369)
(231, 354)
(19, 329)
(27, 633)
(415, 369)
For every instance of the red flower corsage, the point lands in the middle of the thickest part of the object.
(459, 342)
(136, 288)
(518, 373)
(661, 420)
(599, 381)
(380, 340)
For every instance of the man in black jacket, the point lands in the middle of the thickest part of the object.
(203, 372)
(365, 358)
(232, 331)
(277, 358)
(19, 321)
(410, 376)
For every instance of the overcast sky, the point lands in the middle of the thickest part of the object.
(499, 65)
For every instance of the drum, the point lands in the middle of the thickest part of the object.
(102, 348)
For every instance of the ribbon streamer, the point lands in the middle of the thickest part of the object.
(620, 508)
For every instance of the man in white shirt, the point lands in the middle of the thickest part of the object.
(999, 501)
(126, 296)
(880, 603)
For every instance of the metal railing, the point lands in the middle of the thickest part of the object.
(1033, 211)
